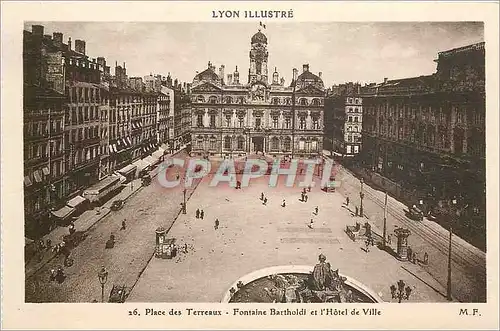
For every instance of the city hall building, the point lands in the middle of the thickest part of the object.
(231, 119)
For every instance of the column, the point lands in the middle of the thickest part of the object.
(402, 249)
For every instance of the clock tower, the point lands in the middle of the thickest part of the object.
(258, 59)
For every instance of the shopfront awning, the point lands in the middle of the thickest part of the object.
(141, 165)
(76, 201)
(125, 171)
(151, 160)
(64, 212)
(148, 161)
(27, 181)
(158, 154)
(101, 189)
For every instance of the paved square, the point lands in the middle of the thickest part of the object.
(253, 236)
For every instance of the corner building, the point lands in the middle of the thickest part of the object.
(231, 119)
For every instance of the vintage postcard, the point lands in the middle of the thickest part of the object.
(257, 165)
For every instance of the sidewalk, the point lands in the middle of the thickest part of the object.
(85, 221)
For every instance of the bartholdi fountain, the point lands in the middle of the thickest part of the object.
(288, 284)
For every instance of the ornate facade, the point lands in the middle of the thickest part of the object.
(233, 119)
(427, 135)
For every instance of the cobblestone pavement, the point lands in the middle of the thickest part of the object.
(252, 236)
(149, 208)
(468, 276)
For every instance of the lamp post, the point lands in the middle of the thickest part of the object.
(401, 292)
(448, 284)
(184, 203)
(103, 278)
(385, 222)
(361, 195)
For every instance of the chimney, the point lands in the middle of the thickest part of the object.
(221, 71)
(58, 38)
(37, 30)
(295, 72)
(385, 80)
(320, 74)
(305, 67)
(229, 79)
(123, 65)
(47, 36)
(80, 46)
(101, 60)
(69, 43)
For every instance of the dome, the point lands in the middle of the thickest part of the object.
(259, 37)
(207, 75)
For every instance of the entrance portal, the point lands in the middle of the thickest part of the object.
(258, 144)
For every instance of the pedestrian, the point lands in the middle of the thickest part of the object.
(185, 247)
(216, 224)
(426, 258)
(202, 213)
(301, 196)
(316, 210)
(124, 225)
(389, 239)
(310, 225)
(347, 201)
(304, 190)
(197, 213)
(305, 197)
(407, 292)
(238, 185)
(356, 211)
(309, 188)
(414, 258)
(283, 204)
(262, 196)
(132, 185)
(409, 253)
(265, 201)
(49, 244)
(367, 245)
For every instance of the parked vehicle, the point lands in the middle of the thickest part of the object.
(117, 205)
(416, 213)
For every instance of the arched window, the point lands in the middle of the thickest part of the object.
(229, 99)
(287, 143)
(315, 102)
(288, 101)
(213, 142)
(227, 142)
(302, 144)
(200, 98)
(241, 143)
(314, 145)
(275, 143)
(212, 99)
(303, 102)
(276, 101)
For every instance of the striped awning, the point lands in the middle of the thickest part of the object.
(76, 201)
(64, 212)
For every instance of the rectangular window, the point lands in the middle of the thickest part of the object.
(228, 121)
(257, 122)
(287, 122)
(275, 122)
(240, 122)
(212, 121)
(302, 123)
(199, 120)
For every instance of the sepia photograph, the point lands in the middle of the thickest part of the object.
(392, 115)
(265, 165)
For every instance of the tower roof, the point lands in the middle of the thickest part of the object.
(259, 37)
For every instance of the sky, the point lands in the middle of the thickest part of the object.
(359, 51)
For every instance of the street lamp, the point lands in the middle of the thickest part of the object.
(103, 278)
(184, 203)
(361, 195)
(448, 287)
(401, 292)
